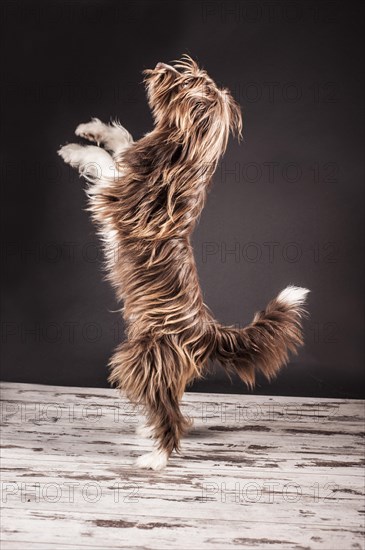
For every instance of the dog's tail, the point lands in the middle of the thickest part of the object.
(264, 345)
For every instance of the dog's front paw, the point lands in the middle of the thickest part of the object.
(71, 153)
(93, 130)
(156, 460)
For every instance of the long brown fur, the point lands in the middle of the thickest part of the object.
(146, 217)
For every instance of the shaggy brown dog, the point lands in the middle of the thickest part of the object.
(146, 200)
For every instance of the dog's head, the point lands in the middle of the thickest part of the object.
(187, 102)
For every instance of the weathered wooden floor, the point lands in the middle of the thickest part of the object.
(255, 472)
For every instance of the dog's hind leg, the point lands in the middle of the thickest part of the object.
(152, 374)
(167, 424)
(113, 136)
(144, 430)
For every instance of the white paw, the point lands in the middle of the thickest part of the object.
(71, 153)
(144, 431)
(92, 131)
(156, 460)
(293, 295)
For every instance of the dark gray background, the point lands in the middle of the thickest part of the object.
(288, 201)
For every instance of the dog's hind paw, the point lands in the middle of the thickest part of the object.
(156, 460)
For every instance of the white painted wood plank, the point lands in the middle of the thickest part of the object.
(123, 462)
(162, 533)
(34, 392)
(214, 498)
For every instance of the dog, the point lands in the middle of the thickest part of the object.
(145, 198)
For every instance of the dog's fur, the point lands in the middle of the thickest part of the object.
(146, 199)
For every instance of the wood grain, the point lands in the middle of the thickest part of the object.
(255, 472)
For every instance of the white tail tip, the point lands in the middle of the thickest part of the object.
(293, 295)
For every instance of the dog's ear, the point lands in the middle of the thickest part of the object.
(234, 114)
